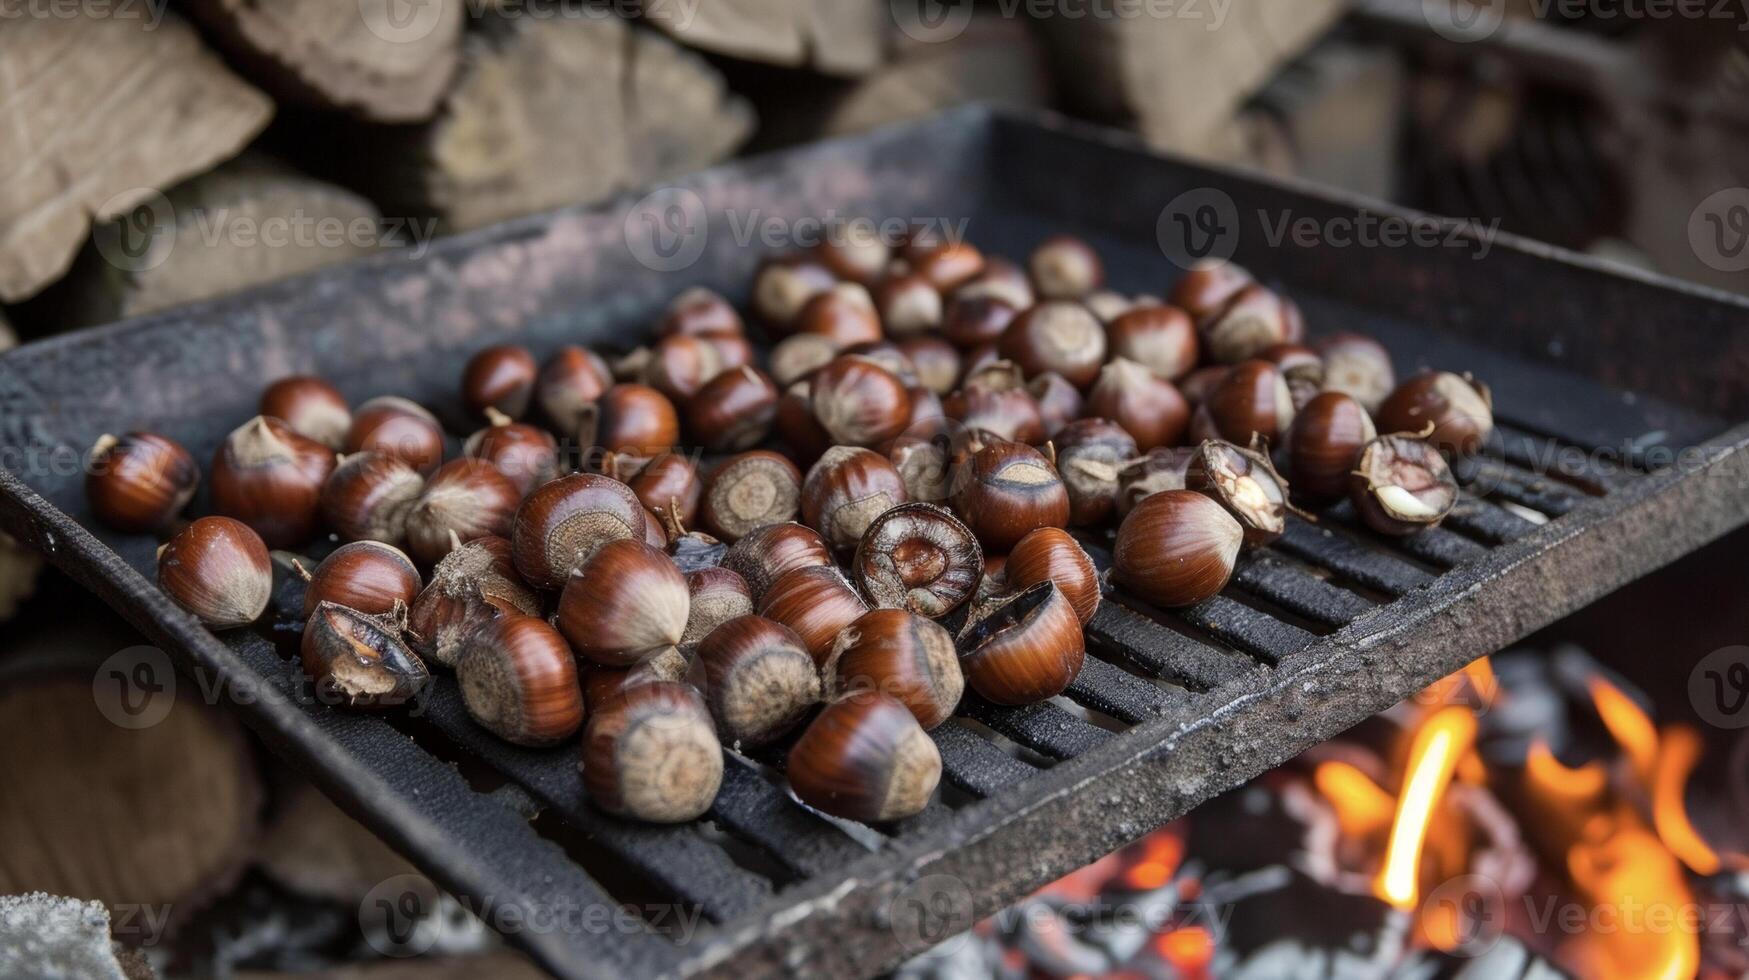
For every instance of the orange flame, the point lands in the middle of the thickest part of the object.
(1441, 741)
(1161, 855)
(1629, 726)
(1190, 949)
(1628, 869)
(1577, 789)
(1678, 752)
(1362, 808)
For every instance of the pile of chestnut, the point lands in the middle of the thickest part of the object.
(940, 417)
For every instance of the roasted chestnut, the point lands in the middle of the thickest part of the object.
(799, 355)
(399, 428)
(845, 313)
(1056, 335)
(846, 490)
(631, 418)
(947, 265)
(1010, 491)
(501, 378)
(465, 499)
(766, 554)
(628, 603)
(1059, 402)
(651, 753)
(908, 304)
(936, 361)
(1160, 338)
(570, 382)
(140, 481)
(750, 491)
(759, 680)
(1089, 453)
(1323, 444)
(818, 603)
(528, 456)
(859, 403)
(1401, 485)
(562, 524)
(1051, 554)
(1025, 650)
(1245, 483)
(1065, 267)
(368, 576)
(1176, 548)
(1154, 471)
(358, 660)
(901, 654)
(313, 408)
(920, 558)
(1207, 287)
(367, 497)
(270, 478)
(1254, 319)
(1251, 402)
(865, 758)
(1453, 412)
(995, 399)
(473, 584)
(519, 681)
(602, 683)
(715, 595)
(697, 312)
(733, 411)
(217, 568)
(1357, 366)
(1147, 406)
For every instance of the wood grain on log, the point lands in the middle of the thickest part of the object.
(118, 107)
(838, 37)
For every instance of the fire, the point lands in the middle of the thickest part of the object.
(1678, 752)
(1559, 786)
(1630, 868)
(1161, 854)
(1362, 808)
(1628, 725)
(1190, 949)
(1433, 756)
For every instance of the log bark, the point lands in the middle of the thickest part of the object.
(368, 57)
(116, 108)
(837, 37)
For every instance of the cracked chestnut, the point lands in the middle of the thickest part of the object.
(358, 660)
(1028, 648)
(1458, 408)
(920, 558)
(1401, 485)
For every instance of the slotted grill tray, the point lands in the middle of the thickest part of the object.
(1621, 449)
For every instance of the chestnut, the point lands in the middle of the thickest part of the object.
(783, 285)
(902, 654)
(1207, 287)
(1357, 366)
(140, 481)
(570, 381)
(528, 456)
(1323, 444)
(217, 568)
(846, 490)
(627, 604)
(1200, 383)
(925, 408)
(313, 408)
(1065, 267)
(999, 280)
(715, 595)
(1010, 490)
(818, 603)
(367, 497)
(920, 558)
(1148, 474)
(1401, 485)
(679, 366)
(562, 524)
(733, 411)
(854, 250)
(1089, 453)
(995, 400)
(1176, 548)
(1245, 483)
(1300, 366)
(947, 265)
(798, 356)
(519, 681)
(667, 486)
(651, 753)
(1160, 338)
(655, 534)
(1147, 406)
(971, 321)
(501, 378)
(270, 478)
(697, 312)
(859, 403)
(1453, 412)
(749, 491)
(766, 554)
(795, 423)
(630, 418)
(908, 304)
(602, 683)
(845, 314)
(399, 428)
(1056, 335)
(1025, 650)
(925, 465)
(473, 584)
(936, 361)
(1254, 319)
(1251, 402)
(359, 660)
(759, 680)
(888, 355)
(1059, 402)
(1051, 554)
(368, 576)
(465, 499)
(865, 758)
(980, 357)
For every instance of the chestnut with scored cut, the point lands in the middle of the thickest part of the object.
(1010, 491)
(651, 753)
(474, 584)
(1028, 648)
(1089, 455)
(846, 490)
(218, 569)
(313, 408)
(367, 497)
(1176, 548)
(758, 678)
(368, 576)
(562, 524)
(359, 660)
(629, 603)
(1401, 485)
(749, 491)
(1245, 483)
(920, 558)
(865, 758)
(140, 481)
(901, 654)
(271, 478)
(519, 682)
(1458, 408)
(1050, 554)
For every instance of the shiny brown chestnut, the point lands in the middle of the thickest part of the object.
(734, 411)
(1176, 548)
(699, 311)
(936, 361)
(1458, 408)
(1255, 318)
(1245, 483)
(667, 486)
(631, 418)
(367, 497)
(358, 660)
(865, 758)
(313, 408)
(399, 428)
(562, 524)
(629, 603)
(502, 378)
(1200, 383)
(473, 584)
(1160, 338)
(1089, 454)
(139, 482)
(783, 285)
(920, 558)
(271, 478)
(1251, 402)
(1207, 287)
(818, 603)
(465, 499)
(519, 681)
(758, 679)
(680, 365)
(749, 491)
(1401, 485)
(1065, 267)
(1357, 366)
(368, 576)
(796, 426)
(1025, 650)
(995, 399)
(570, 381)
(602, 683)
(217, 568)
(527, 455)
(1147, 406)
(854, 250)
(1148, 474)
(1010, 490)
(1324, 443)
(798, 356)
(715, 595)
(1059, 402)
(1056, 335)
(971, 321)
(845, 314)
(909, 305)
(651, 753)
(947, 265)
(857, 402)
(1051, 554)
(902, 654)
(845, 490)
(999, 280)
(768, 553)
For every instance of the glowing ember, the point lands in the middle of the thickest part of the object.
(1442, 740)
(1191, 949)
(1161, 854)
